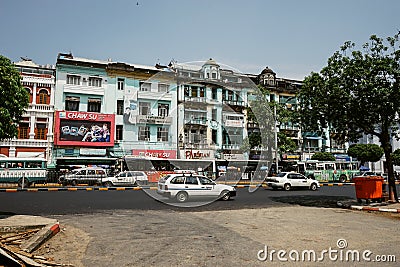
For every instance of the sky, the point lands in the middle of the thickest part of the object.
(292, 37)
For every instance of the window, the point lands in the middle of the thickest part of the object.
(40, 131)
(43, 97)
(94, 105)
(144, 133)
(94, 81)
(162, 134)
(214, 94)
(74, 79)
(191, 180)
(163, 110)
(214, 75)
(163, 88)
(178, 180)
(119, 132)
(144, 108)
(194, 91)
(72, 103)
(120, 83)
(23, 131)
(120, 107)
(187, 90)
(145, 87)
(202, 92)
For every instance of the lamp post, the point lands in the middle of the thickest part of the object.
(276, 140)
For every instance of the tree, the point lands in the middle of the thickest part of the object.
(357, 93)
(396, 157)
(14, 99)
(365, 152)
(323, 156)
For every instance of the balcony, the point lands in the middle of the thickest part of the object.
(40, 108)
(234, 103)
(195, 99)
(195, 121)
(25, 143)
(231, 146)
(148, 119)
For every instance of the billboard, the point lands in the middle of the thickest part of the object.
(74, 128)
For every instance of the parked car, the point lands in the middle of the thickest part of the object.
(183, 187)
(126, 178)
(289, 180)
(89, 175)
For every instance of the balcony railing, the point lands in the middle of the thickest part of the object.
(196, 121)
(40, 107)
(149, 119)
(25, 143)
(231, 146)
(234, 102)
(195, 99)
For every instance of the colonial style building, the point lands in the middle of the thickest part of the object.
(35, 131)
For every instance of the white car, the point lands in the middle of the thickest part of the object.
(186, 186)
(126, 178)
(288, 180)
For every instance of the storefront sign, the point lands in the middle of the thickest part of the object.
(163, 154)
(197, 154)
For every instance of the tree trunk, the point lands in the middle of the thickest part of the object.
(387, 147)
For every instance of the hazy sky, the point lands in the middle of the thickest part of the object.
(292, 37)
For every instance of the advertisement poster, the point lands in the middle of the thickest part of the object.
(84, 129)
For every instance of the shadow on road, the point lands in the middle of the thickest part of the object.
(312, 201)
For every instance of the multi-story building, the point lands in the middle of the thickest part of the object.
(132, 103)
(35, 131)
(211, 111)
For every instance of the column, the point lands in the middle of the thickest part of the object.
(32, 123)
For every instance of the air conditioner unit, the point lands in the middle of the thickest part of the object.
(160, 139)
(147, 139)
(84, 79)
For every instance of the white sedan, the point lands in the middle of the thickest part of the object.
(126, 178)
(288, 180)
(182, 187)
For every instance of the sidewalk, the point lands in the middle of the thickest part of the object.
(381, 207)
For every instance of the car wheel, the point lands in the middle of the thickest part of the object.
(181, 196)
(287, 187)
(108, 184)
(342, 178)
(225, 195)
(74, 182)
(313, 187)
(23, 182)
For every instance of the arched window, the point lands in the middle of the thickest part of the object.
(43, 97)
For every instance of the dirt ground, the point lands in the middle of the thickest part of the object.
(254, 227)
(67, 247)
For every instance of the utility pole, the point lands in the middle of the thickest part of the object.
(276, 140)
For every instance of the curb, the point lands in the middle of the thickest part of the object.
(366, 208)
(37, 239)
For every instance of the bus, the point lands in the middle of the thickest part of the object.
(336, 171)
(23, 171)
(237, 170)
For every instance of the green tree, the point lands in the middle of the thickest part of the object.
(365, 152)
(14, 99)
(396, 157)
(357, 93)
(323, 156)
(285, 144)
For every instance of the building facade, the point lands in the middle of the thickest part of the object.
(35, 131)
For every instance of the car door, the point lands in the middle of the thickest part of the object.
(120, 178)
(292, 179)
(192, 186)
(208, 187)
(302, 181)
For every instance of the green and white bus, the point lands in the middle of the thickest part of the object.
(23, 171)
(335, 171)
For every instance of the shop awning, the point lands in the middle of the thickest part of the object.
(63, 161)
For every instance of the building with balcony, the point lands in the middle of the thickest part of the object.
(35, 131)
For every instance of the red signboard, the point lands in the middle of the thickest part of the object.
(74, 128)
(163, 154)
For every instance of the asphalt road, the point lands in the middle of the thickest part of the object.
(84, 202)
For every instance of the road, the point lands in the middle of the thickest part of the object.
(81, 202)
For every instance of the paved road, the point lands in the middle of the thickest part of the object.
(81, 202)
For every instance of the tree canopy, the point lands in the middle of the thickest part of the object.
(14, 99)
(357, 94)
(365, 152)
(323, 156)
